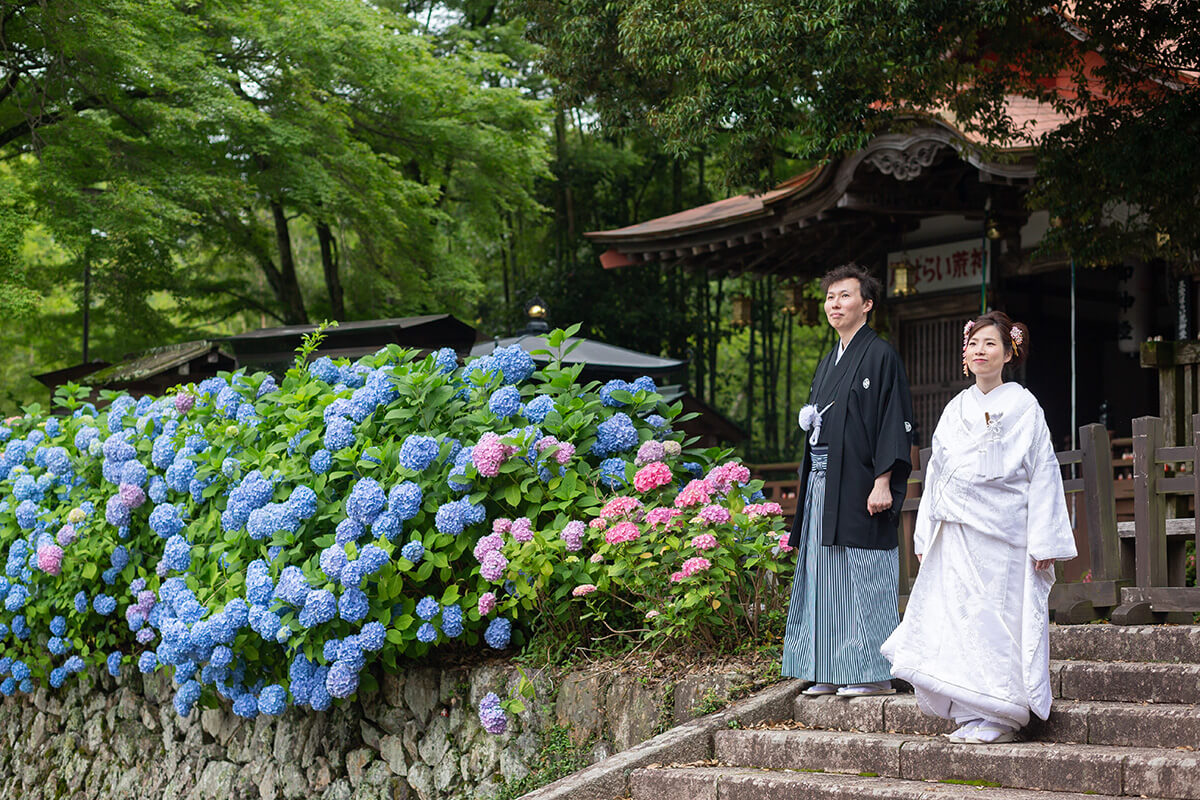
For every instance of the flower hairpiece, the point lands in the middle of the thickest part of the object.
(1017, 339)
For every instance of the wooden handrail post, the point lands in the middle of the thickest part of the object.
(1149, 509)
(1103, 542)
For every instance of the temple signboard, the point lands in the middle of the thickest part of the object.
(939, 268)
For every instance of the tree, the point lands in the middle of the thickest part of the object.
(209, 131)
(757, 79)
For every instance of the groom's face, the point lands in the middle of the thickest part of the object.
(844, 305)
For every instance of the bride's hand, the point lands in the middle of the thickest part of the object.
(1045, 563)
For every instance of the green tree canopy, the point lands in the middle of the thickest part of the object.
(757, 79)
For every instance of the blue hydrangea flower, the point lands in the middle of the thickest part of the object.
(536, 409)
(166, 520)
(147, 662)
(505, 401)
(388, 526)
(246, 706)
(332, 560)
(177, 554)
(449, 518)
(426, 633)
(339, 434)
(427, 608)
(320, 462)
(372, 636)
(272, 700)
(414, 551)
(366, 500)
(515, 363)
(342, 679)
(323, 369)
(404, 500)
(81, 602)
(113, 663)
(498, 633)
(320, 606)
(612, 473)
(347, 531)
(418, 452)
(372, 558)
(452, 621)
(615, 435)
(353, 604)
(615, 385)
(292, 587)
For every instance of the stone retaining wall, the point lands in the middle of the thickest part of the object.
(418, 736)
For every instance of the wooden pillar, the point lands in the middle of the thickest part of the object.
(1150, 541)
(1178, 365)
(1103, 543)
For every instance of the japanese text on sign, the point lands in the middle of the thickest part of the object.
(956, 265)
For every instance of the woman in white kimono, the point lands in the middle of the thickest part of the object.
(992, 522)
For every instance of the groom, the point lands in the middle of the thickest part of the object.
(852, 485)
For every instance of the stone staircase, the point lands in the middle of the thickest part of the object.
(1125, 722)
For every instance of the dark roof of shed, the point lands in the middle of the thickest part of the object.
(152, 362)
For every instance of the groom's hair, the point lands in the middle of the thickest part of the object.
(868, 285)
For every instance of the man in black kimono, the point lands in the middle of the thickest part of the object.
(852, 486)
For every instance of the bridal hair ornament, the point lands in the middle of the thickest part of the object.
(810, 420)
(1017, 339)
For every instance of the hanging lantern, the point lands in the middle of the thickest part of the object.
(791, 298)
(993, 231)
(809, 312)
(742, 307)
(902, 279)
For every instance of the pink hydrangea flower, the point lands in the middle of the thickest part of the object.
(696, 493)
(676, 577)
(66, 535)
(652, 476)
(501, 525)
(49, 559)
(784, 547)
(622, 532)
(620, 507)
(545, 443)
(564, 453)
(488, 544)
(572, 534)
(596, 558)
(651, 450)
(522, 530)
(487, 602)
(131, 496)
(705, 541)
(723, 478)
(662, 516)
(488, 454)
(598, 524)
(583, 589)
(184, 402)
(493, 566)
(762, 509)
(713, 515)
(694, 565)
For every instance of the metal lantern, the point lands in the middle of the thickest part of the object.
(993, 231)
(742, 307)
(791, 298)
(902, 279)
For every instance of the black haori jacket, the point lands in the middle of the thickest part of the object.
(869, 432)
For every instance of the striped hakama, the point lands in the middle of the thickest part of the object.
(844, 601)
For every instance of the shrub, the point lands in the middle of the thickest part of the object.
(267, 541)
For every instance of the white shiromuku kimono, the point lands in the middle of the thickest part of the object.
(974, 641)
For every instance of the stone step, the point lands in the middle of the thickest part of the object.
(1126, 682)
(1103, 642)
(1084, 768)
(1077, 721)
(735, 783)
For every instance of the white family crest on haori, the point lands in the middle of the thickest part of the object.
(866, 383)
(974, 639)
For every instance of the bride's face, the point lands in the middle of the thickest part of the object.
(986, 355)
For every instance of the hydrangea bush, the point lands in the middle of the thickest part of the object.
(265, 541)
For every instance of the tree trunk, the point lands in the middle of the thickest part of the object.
(333, 280)
(287, 291)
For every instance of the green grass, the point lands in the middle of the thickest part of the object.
(964, 782)
(557, 758)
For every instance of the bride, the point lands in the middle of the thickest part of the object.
(992, 522)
